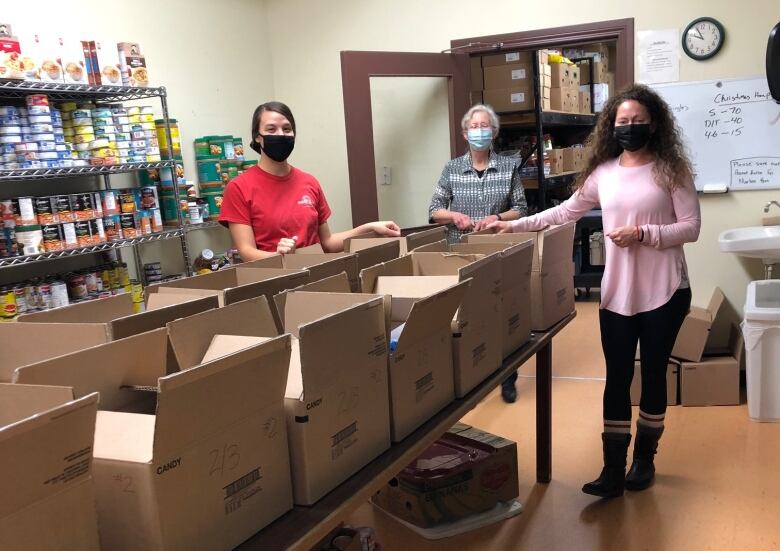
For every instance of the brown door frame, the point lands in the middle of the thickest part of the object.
(357, 68)
(620, 30)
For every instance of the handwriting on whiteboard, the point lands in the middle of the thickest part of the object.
(757, 171)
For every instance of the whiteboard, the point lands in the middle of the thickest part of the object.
(731, 129)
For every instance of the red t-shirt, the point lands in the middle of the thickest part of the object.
(276, 206)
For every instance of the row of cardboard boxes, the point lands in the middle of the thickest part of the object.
(505, 81)
(233, 397)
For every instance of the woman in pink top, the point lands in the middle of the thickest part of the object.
(642, 179)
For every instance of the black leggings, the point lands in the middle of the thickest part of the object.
(656, 331)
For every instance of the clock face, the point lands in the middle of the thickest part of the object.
(703, 38)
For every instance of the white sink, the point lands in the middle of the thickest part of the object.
(757, 242)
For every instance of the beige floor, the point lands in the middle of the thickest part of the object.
(718, 482)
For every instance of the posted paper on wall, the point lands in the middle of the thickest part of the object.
(659, 56)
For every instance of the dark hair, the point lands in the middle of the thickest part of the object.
(673, 168)
(276, 107)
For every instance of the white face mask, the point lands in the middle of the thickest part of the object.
(480, 138)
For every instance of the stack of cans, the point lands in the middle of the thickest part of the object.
(123, 130)
(104, 147)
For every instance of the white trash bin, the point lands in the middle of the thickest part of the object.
(761, 329)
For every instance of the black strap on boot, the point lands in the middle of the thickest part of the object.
(642, 471)
(611, 480)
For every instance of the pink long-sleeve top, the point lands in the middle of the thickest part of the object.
(642, 276)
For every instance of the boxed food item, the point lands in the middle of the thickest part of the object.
(695, 330)
(476, 327)
(108, 68)
(46, 469)
(513, 75)
(561, 75)
(495, 60)
(552, 271)
(196, 459)
(672, 383)
(714, 380)
(42, 58)
(132, 63)
(467, 471)
(11, 60)
(515, 287)
(73, 61)
(336, 402)
(555, 157)
(506, 100)
(565, 99)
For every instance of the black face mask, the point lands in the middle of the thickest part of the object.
(632, 137)
(277, 147)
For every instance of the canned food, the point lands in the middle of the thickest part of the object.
(148, 197)
(24, 211)
(20, 297)
(48, 155)
(86, 137)
(52, 237)
(98, 143)
(101, 112)
(147, 118)
(148, 126)
(144, 222)
(81, 114)
(77, 286)
(103, 130)
(46, 210)
(40, 129)
(59, 294)
(139, 307)
(83, 235)
(44, 296)
(129, 225)
(39, 118)
(134, 110)
(10, 129)
(137, 290)
(82, 148)
(29, 239)
(7, 303)
(112, 228)
(8, 110)
(69, 238)
(97, 230)
(121, 120)
(11, 138)
(91, 280)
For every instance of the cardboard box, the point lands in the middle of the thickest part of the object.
(555, 156)
(318, 265)
(27, 343)
(564, 99)
(336, 402)
(513, 75)
(599, 72)
(714, 380)
(695, 329)
(672, 383)
(406, 243)
(45, 469)
(378, 251)
(570, 156)
(561, 75)
(600, 95)
(115, 314)
(515, 287)
(437, 489)
(509, 99)
(509, 58)
(584, 105)
(193, 460)
(545, 92)
(552, 271)
(477, 325)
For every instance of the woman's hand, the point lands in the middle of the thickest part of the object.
(462, 221)
(286, 245)
(500, 227)
(624, 235)
(485, 222)
(386, 228)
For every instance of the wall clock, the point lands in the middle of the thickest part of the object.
(703, 38)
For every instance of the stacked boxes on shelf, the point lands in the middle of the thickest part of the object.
(568, 159)
(603, 78)
(508, 80)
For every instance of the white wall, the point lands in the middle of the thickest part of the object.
(213, 58)
(306, 37)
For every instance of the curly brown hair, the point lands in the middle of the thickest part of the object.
(673, 168)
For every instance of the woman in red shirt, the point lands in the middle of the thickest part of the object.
(274, 207)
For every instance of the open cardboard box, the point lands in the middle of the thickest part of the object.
(714, 380)
(420, 369)
(48, 494)
(515, 286)
(115, 314)
(26, 343)
(552, 270)
(407, 243)
(476, 327)
(318, 265)
(193, 460)
(695, 330)
(336, 403)
(377, 253)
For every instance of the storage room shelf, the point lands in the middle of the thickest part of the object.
(61, 91)
(43, 173)
(551, 182)
(549, 118)
(170, 233)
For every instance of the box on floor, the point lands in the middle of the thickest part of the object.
(552, 270)
(695, 330)
(467, 471)
(48, 492)
(407, 243)
(714, 380)
(420, 366)
(193, 460)
(515, 286)
(477, 325)
(336, 402)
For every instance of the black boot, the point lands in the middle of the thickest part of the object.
(642, 471)
(610, 481)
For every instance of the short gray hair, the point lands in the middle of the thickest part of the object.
(464, 123)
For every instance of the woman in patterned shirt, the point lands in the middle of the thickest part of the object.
(481, 186)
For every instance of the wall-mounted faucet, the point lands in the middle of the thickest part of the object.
(769, 204)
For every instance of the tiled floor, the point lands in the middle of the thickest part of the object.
(718, 482)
